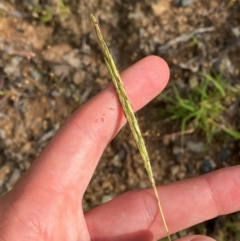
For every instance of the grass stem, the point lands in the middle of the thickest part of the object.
(128, 112)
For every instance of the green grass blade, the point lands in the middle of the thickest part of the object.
(232, 132)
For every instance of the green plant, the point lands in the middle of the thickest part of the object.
(46, 13)
(64, 10)
(195, 41)
(205, 107)
(234, 228)
(230, 230)
(2, 92)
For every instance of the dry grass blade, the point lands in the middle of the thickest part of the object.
(129, 113)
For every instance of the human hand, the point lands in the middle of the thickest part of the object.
(46, 203)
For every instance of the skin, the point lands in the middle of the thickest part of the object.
(46, 203)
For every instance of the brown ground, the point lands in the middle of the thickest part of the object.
(49, 68)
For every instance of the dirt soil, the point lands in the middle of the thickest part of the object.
(50, 64)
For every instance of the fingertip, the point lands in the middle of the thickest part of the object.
(146, 79)
(160, 72)
(161, 67)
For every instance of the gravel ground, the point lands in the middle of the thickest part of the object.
(50, 64)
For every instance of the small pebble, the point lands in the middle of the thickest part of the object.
(197, 147)
(178, 150)
(174, 170)
(26, 147)
(178, 153)
(3, 173)
(143, 184)
(190, 168)
(107, 186)
(103, 72)
(141, 172)
(122, 154)
(208, 165)
(55, 93)
(106, 198)
(14, 178)
(2, 134)
(79, 77)
(116, 161)
(72, 58)
(62, 70)
(8, 142)
(181, 175)
(3, 116)
(183, 3)
(224, 154)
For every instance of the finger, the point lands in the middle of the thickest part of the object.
(68, 162)
(196, 238)
(184, 203)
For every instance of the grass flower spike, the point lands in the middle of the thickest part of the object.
(128, 112)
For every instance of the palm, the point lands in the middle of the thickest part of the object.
(43, 214)
(46, 203)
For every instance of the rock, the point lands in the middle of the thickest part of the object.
(72, 58)
(85, 95)
(116, 161)
(13, 68)
(19, 157)
(224, 64)
(106, 198)
(103, 72)
(143, 184)
(178, 153)
(159, 7)
(79, 77)
(26, 147)
(174, 170)
(46, 136)
(224, 154)
(107, 186)
(3, 172)
(14, 178)
(61, 70)
(122, 154)
(3, 116)
(86, 60)
(56, 93)
(178, 150)
(183, 3)
(122, 187)
(141, 172)
(190, 168)
(2, 134)
(208, 165)
(8, 142)
(27, 164)
(56, 53)
(197, 147)
(181, 175)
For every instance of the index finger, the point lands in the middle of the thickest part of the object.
(68, 162)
